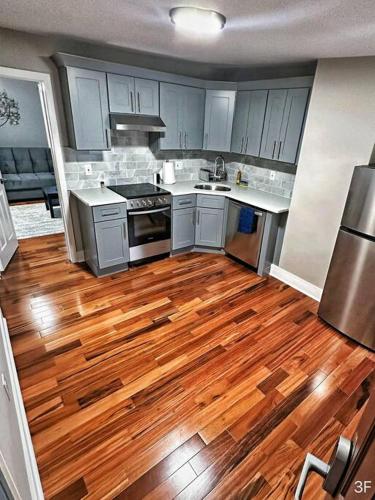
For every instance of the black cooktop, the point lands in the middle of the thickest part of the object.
(138, 190)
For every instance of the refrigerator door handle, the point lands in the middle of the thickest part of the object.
(332, 472)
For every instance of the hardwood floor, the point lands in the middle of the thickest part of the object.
(189, 377)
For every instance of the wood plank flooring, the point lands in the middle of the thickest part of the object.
(189, 377)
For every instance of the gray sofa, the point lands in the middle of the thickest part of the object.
(26, 171)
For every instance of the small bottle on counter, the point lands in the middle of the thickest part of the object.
(239, 177)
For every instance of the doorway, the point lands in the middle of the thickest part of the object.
(31, 163)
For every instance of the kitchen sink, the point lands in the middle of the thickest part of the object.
(212, 187)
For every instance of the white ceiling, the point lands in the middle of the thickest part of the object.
(258, 32)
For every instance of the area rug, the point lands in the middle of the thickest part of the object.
(34, 220)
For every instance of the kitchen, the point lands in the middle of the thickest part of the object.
(198, 297)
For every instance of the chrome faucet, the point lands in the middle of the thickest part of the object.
(222, 175)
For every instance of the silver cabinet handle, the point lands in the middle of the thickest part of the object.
(241, 145)
(194, 217)
(185, 140)
(331, 472)
(278, 156)
(108, 137)
(247, 140)
(132, 101)
(180, 139)
(206, 140)
(258, 214)
(139, 102)
(4, 383)
(273, 151)
(198, 217)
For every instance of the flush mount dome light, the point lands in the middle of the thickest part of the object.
(197, 20)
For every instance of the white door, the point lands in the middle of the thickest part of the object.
(8, 239)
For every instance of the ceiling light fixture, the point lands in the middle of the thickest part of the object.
(197, 21)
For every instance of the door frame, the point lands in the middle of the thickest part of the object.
(53, 136)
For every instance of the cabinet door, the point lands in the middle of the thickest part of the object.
(89, 108)
(257, 111)
(171, 110)
(193, 117)
(291, 128)
(112, 242)
(272, 123)
(147, 97)
(241, 115)
(218, 119)
(183, 228)
(209, 227)
(121, 93)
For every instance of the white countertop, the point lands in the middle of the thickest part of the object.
(260, 199)
(98, 196)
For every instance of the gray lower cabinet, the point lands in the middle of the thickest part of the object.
(182, 110)
(209, 227)
(127, 94)
(86, 101)
(218, 120)
(183, 228)
(248, 122)
(283, 124)
(104, 233)
(112, 243)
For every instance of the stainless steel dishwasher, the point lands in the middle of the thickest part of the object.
(245, 247)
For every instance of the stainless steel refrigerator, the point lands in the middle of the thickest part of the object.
(348, 300)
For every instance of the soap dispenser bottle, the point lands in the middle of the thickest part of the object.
(238, 177)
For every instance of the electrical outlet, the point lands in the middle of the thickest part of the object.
(88, 169)
(272, 175)
(179, 165)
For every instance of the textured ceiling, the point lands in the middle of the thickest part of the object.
(258, 32)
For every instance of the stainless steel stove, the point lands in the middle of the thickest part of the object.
(149, 219)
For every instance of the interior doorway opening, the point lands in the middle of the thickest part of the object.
(33, 193)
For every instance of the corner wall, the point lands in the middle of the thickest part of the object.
(339, 134)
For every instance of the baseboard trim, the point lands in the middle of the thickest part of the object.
(296, 282)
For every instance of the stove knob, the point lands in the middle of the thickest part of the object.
(144, 203)
(138, 203)
(165, 200)
(131, 204)
(160, 201)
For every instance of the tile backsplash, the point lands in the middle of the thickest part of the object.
(132, 161)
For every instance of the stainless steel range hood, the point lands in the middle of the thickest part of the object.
(137, 122)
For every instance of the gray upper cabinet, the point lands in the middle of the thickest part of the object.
(147, 97)
(272, 123)
(193, 117)
(248, 121)
(283, 124)
(121, 93)
(133, 95)
(218, 121)
(292, 125)
(171, 113)
(112, 243)
(209, 227)
(182, 110)
(88, 113)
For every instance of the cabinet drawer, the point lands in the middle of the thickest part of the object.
(184, 201)
(210, 201)
(109, 212)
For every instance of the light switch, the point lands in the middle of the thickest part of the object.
(272, 175)
(179, 165)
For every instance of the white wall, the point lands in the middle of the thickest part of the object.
(30, 132)
(339, 134)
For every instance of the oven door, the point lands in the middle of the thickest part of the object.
(149, 226)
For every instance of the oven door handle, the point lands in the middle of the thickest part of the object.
(144, 212)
